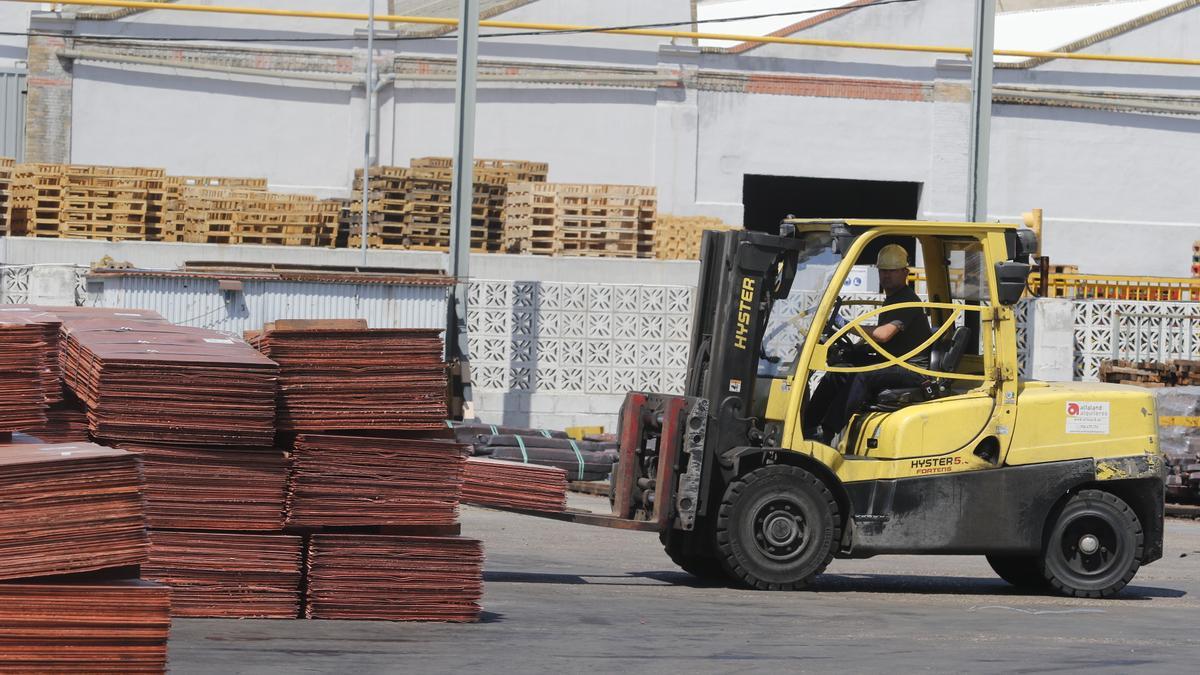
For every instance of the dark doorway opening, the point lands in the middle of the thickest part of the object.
(769, 199)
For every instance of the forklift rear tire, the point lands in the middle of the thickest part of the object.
(777, 528)
(1022, 571)
(1095, 546)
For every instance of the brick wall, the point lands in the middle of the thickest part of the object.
(48, 103)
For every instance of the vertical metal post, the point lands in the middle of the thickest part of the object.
(463, 188)
(369, 98)
(981, 109)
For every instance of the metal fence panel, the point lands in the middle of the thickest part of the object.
(12, 112)
(199, 302)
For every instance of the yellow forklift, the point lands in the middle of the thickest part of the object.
(1059, 484)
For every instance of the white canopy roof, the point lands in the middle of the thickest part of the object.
(1035, 29)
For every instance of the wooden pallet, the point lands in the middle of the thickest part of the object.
(589, 220)
(6, 176)
(248, 216)
(679, 237)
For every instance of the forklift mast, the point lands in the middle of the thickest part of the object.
(671, 445)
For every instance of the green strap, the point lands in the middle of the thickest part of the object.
(545, 433)
(449, 424)
(493, 428)
(578, 456)
(524, 455)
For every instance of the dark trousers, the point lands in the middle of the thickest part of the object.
(840, 395)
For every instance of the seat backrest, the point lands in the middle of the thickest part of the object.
(958, 345)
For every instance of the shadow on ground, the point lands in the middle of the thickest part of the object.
(826, 583)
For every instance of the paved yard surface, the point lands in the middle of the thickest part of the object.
(564, 598)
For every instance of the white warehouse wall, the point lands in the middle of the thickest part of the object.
(14, 17)
(209, 124)
(587, 135)
(743, 134)
(1118, 190)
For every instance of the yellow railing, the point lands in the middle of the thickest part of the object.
(1099, 286)
(650, 32)
(1116, 287)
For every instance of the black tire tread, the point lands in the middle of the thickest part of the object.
(705, 569)
(1130, 516)
(1021, 571)
(724, 515)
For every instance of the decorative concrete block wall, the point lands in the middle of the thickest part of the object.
(562, 354)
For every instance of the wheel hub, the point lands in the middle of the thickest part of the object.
(1089, 544)
(779, 530)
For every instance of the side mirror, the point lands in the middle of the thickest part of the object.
(1011, 278)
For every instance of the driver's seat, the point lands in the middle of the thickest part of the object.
(944, 357)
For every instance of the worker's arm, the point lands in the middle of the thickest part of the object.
(886, 332)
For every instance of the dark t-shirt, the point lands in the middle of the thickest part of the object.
(913, 325)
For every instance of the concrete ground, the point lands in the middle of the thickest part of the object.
(564, 598)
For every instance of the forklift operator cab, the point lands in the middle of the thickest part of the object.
(957, 296)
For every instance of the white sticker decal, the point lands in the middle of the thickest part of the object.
(219, 341)
(735, 386)
(1087, 417)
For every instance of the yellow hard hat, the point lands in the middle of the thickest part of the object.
(892, 257)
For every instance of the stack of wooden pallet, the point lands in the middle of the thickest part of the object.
(6, 175)
(492, 176)
(615, 221)
(85, 201)
(410, 209)
(387, 191)
(678, 237)
(1186, 372)
(1143, 374)
(510, 170)
(35, 200)
(240, 216)
(111, 202)
(173, 223)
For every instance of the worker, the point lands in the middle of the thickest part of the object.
(840, 395)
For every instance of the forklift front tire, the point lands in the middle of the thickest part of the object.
(1023, 571)
(776, 528)
(706, 569)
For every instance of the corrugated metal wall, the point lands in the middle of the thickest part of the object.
(12, 112)
(199, 302)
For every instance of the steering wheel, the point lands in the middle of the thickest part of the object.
(835, 322)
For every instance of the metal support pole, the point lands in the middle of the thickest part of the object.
(369, 98)
(463, 189)
(981, 109)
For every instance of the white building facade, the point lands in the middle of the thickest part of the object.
(747, 132)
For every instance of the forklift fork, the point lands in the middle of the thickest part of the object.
(658, 474)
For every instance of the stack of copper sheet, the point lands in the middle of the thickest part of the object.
(228, 575)
(356, 378)
(394, 578)
(197, 488)
(490, 482)
(24, 390)
(68, 314)
(93, 627)
(159, 383)
(48, 325)
(352, 480)
(69, 508)
(66, 422)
